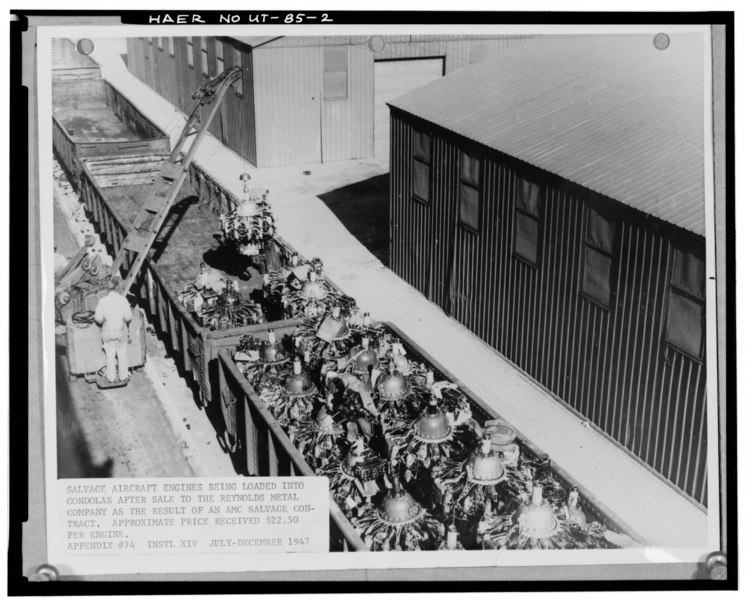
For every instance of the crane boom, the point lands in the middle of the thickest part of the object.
(154, 211)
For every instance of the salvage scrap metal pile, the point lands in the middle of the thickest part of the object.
(407, 462)
(250, 225)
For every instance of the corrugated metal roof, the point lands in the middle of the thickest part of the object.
(609, 112)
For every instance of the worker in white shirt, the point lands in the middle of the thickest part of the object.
(113, 313)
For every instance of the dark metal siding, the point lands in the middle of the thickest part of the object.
(239, 131)
(611, 366)
(182, 86)
(134, 57)
(176, 81)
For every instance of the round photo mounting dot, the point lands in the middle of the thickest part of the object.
(84, 46)
(376, 44)
(661, 41)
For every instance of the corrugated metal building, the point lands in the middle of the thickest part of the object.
(306, 99)
(552, 200)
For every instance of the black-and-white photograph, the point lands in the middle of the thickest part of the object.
(465, 274)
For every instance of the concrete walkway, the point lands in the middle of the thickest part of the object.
(652, 508)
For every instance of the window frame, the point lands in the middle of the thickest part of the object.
(475, 154)
(346, 71)
(204, 58)
(537, 218)
(190, 52)
(674, 289)
(678, 253)
(236, 58)
(589, 245)
(427, 162)
(219, 57)
(536, 263)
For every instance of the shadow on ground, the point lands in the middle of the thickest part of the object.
(74, 459)
(363, 208)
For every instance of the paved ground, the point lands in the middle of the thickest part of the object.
(120, 432)
(363, 209)
(650, 506)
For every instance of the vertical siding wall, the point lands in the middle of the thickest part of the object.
(611, 366)
(287, 85)
(239, 132)
(296, 125)
(347, 124)
(176, 81)
(283, 118)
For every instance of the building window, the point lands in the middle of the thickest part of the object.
(160, 43)
(190, 52)
(421, 160)
(171, 46)
(237, 62)
(598, 253)
(203, 56)
(219, 55)
(150, 41)
(470, 168)
(686, 304)
(335, 73)
(527, 221)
